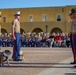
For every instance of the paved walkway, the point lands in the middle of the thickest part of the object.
(63, 68)
(41, 61)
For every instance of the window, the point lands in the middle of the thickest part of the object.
(62, 9)
(4, 19)
(30, 18)
(44, 17)
(0, 14)
(58, 17)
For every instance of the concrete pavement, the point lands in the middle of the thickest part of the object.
(41, 61)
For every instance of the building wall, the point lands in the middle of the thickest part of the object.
(51, 21)
(26, 26)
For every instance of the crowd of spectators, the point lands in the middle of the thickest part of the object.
(37, 40)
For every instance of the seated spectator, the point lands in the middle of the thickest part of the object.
(68, 43)
(57, 40)
(63, 38)
(37, 40)
(51, 37)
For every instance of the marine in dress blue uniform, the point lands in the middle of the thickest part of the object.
(73, 33)
(16, 36)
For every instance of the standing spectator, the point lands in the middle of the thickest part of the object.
(16, 36)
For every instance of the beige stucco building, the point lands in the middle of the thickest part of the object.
(38, 19)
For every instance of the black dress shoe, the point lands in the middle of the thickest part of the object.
(72, 63)
(74, 66)
(18, 60)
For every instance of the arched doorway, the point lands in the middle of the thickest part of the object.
(22, 31)
(3, 30)
(56, 30)
(37, 30)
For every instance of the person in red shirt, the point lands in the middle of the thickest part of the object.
(57, 40)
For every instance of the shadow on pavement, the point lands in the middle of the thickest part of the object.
(37, 66)
(41, 63)
(70, 73)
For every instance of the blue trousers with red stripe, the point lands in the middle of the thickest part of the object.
(16, 47)
(73, 44)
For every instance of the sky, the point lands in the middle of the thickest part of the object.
(34, 3)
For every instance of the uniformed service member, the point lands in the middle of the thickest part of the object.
(16, 36)
(73, 33)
